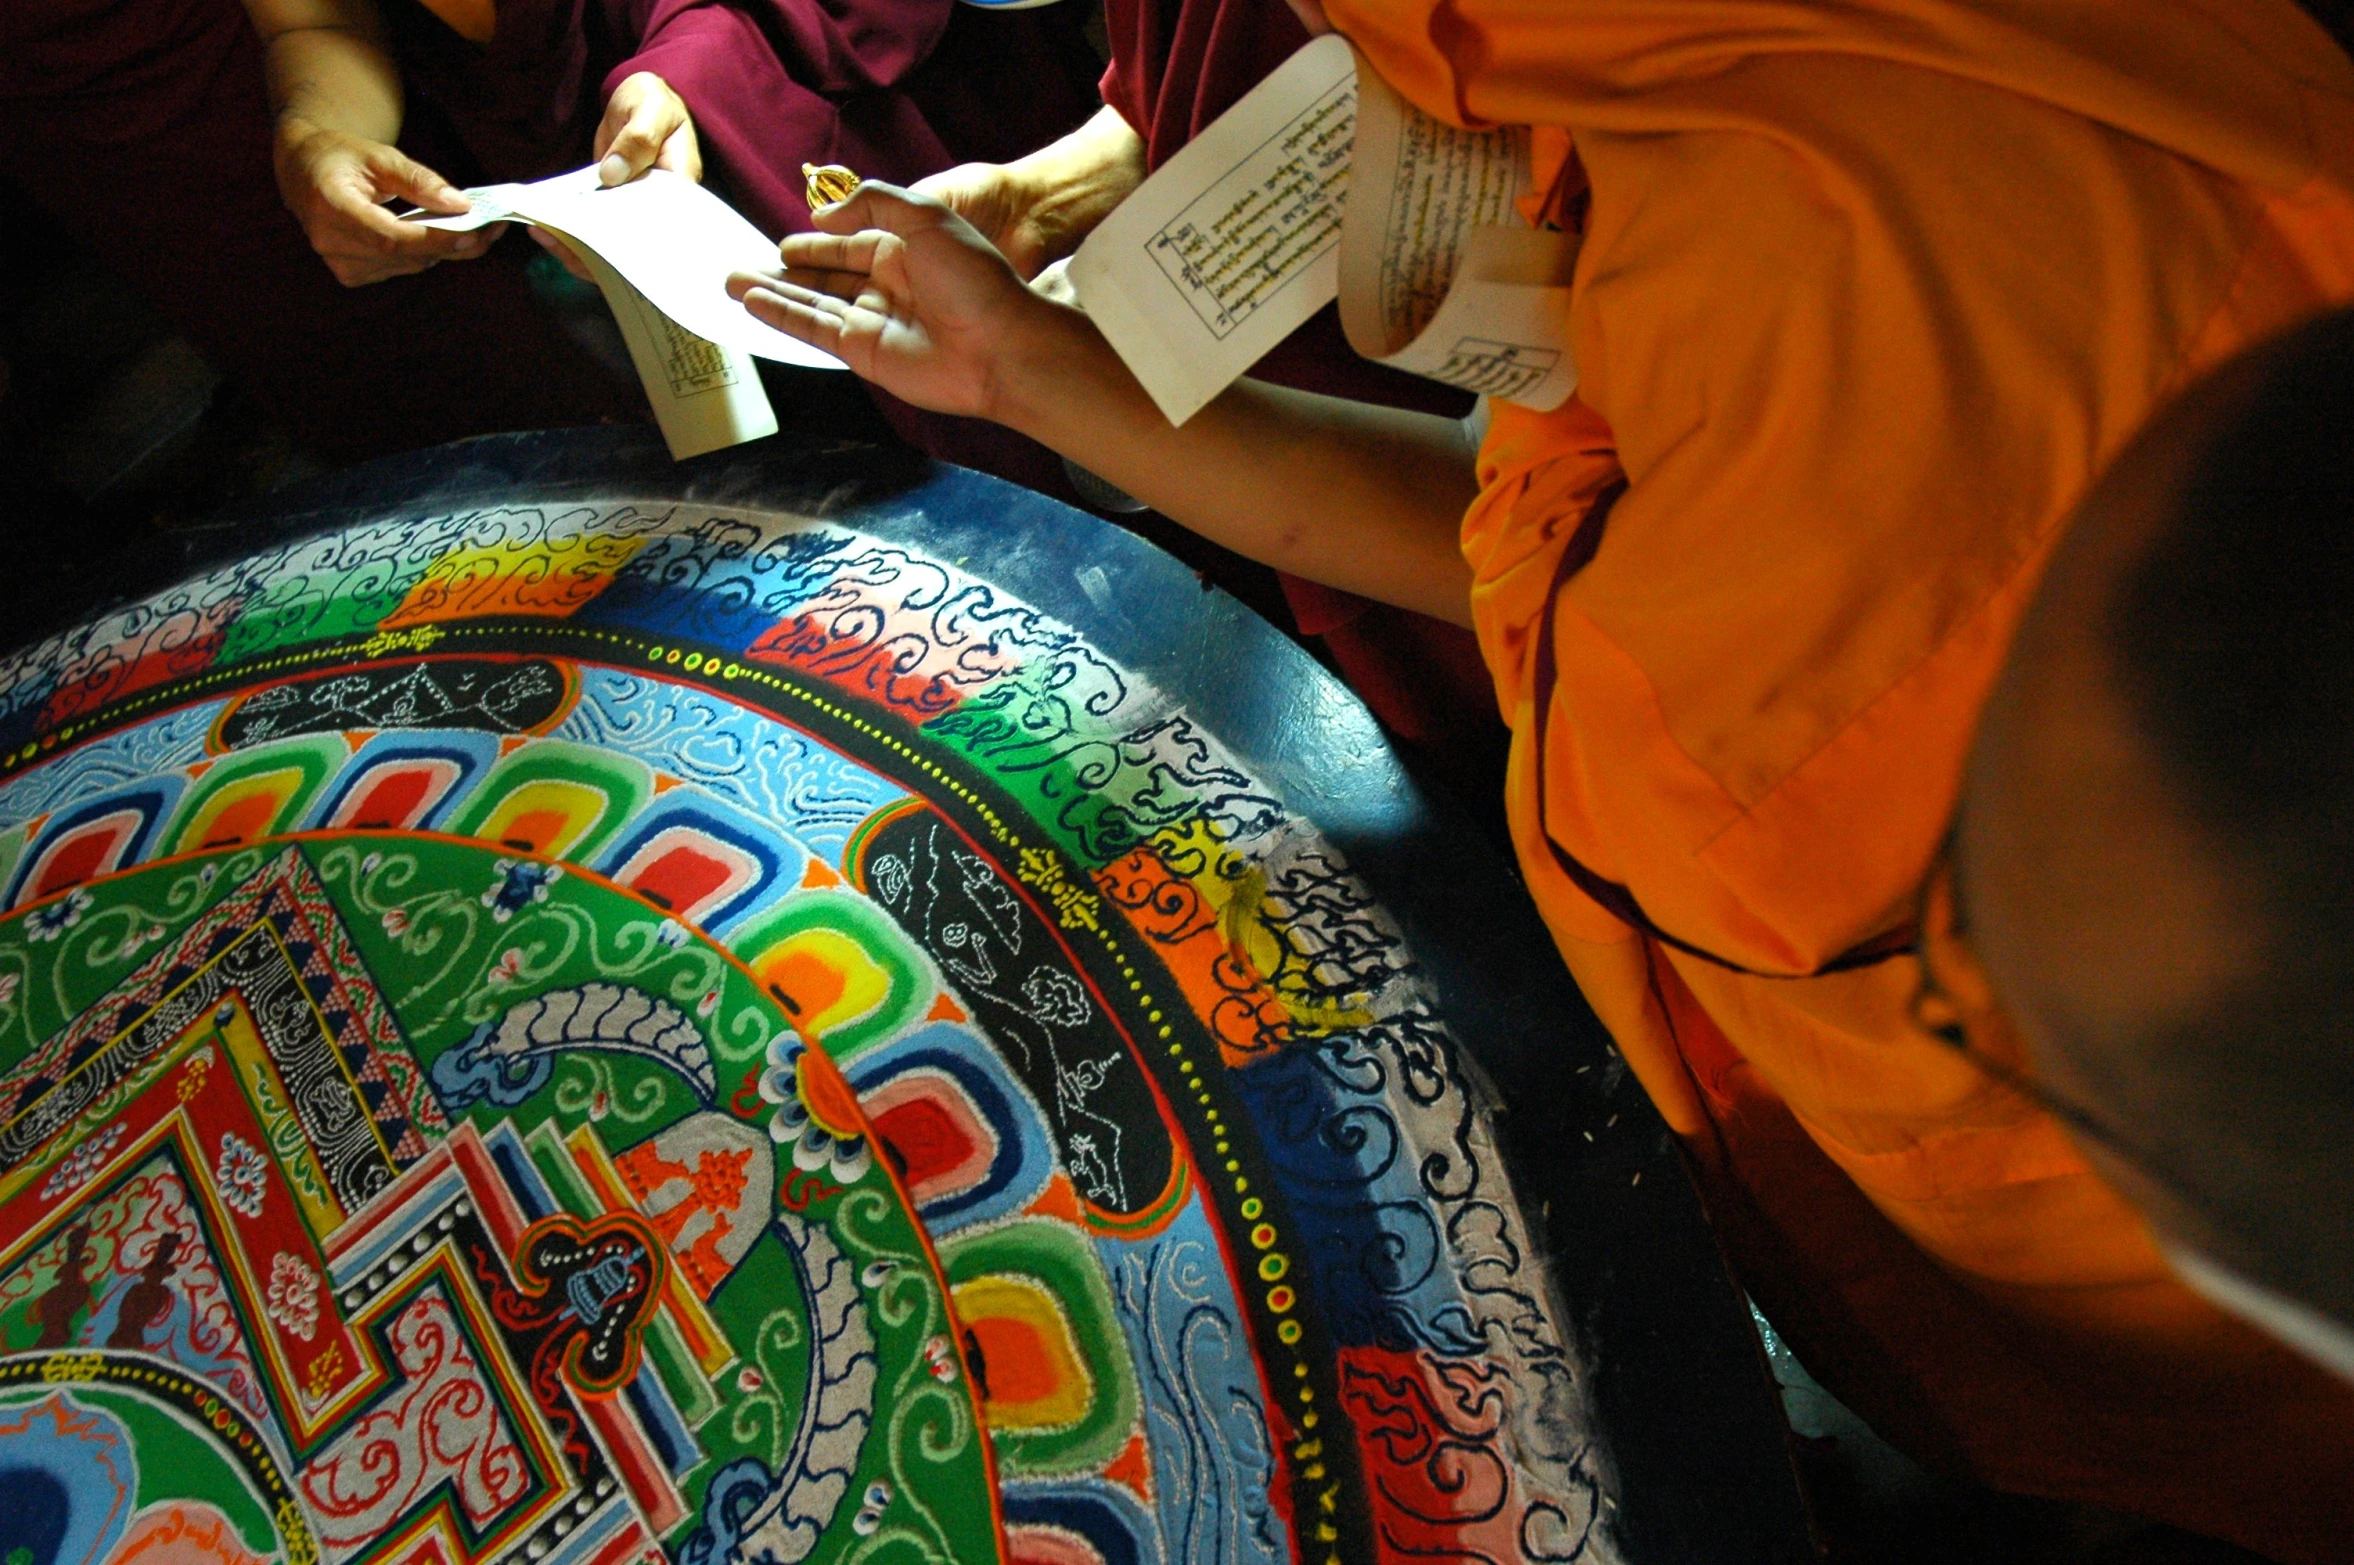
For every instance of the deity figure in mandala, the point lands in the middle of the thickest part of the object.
(69, 1295)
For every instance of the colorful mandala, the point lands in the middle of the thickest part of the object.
(627, 1033)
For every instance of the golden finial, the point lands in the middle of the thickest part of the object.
(828, 183)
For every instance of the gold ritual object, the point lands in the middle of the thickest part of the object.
(828, 183)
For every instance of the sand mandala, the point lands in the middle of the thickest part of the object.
(597, 1034)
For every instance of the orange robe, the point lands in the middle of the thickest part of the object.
(1869, 294)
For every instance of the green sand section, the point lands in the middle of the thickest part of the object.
(12, 848)
(296, 606)
(554, 797)
(417, 910)
(1096, 795)
(57, 962)
(1034, 1296)
(177, 1459)
(421, 913)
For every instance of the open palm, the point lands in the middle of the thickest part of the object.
(902, 290)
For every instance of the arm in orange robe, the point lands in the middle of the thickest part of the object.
(1868, 296)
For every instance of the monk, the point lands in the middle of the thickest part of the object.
(2152, 846)
(341, 106)
(535, 87)
(746, 92)
(1867, 298)
(146, 128)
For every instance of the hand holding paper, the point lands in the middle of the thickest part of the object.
(335, 184)
(661, 248)
(336, 94)
(646, 125)
(674, 242)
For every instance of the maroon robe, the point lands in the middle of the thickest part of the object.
(144, 127)
(1176, 66)
(895, 89)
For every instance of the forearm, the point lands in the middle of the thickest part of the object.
(1074, 183)
(1364, 498)
(328, 68)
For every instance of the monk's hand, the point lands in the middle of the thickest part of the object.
(905, 292)
(1004, 207)
(336, 185)
(646, 125)
(1038, 209)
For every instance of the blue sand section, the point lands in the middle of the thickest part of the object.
(772, 772)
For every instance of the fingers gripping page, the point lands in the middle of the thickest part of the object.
(661, 248)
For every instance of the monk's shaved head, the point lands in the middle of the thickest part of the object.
(2156, 854)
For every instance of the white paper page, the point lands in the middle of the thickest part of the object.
(705, 397)
(1503, 328)
(675, 241)
(1234, 241)
(485, 210)
(1440, 275)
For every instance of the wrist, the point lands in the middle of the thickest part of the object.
(1029, 184)
(1049, 361)
(1068, 187)
(1041, 199)
(291, 151)
(1063, 215)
